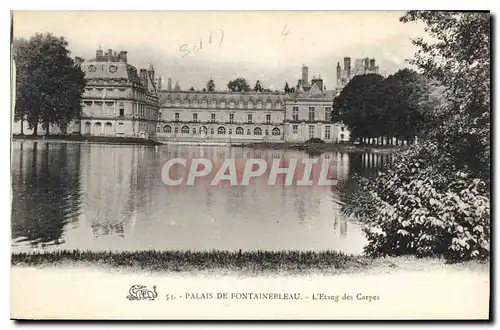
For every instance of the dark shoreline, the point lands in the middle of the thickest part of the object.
(318, 148)
(181, 261)
(313, 148)
(89, 139)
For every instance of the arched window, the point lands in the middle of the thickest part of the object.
(257, 131)
(86, 129)
(276, 131)
(221, 131)
(97, 128)
(185, 130)
(167, 129)
(239, 131)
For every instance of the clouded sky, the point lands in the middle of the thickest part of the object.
(270, 46)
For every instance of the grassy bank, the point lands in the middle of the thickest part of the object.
(87, 139)
(318, 148)
(182, 261)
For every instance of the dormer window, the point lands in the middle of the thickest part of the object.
(268, 105)
(213, 104)
(259, 105)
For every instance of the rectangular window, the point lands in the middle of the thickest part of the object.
(311, 113)
(231, 117)
(327, 133)
(195, 117)
(295, 114)
(249, 118)
(212, 117)
(328, 112)
(176, 118)
(311, 131)
(120, 129)
(268, 119)
(295, 129)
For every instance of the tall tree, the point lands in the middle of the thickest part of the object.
(210, 85)
(258, 87)
(49, 85)
(287, 89)
(459, 58)
(238, 85)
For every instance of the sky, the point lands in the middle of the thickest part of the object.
(192, 47)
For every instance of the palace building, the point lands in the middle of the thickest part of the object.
(221, 116)
(121, 101)
(118, 100)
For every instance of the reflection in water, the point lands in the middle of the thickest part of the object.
(46, 191)
(103, 197)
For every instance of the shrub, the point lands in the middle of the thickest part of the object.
(424, 210)
(314, 140)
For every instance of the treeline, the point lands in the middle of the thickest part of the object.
(240, 85)
(386, 111)
(49, 85)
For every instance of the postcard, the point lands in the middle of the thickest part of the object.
(250, 165)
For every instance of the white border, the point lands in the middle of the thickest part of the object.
(181, 5)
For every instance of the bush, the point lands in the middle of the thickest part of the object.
(425, 210)
(314, 140)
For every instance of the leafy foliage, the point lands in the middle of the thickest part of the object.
(49, 85)
(210, 85)
(417, 209)
(238, 85)
(435, 199)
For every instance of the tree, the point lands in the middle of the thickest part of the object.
(287, 89)
(204, 89)
(191, 89)
(459, 59)
(210, 85)
(238, 85)
(49, 85)
(357, 106)
(258, 87)
(435, 199)
(177, 87)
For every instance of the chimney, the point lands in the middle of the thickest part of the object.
(122, 56)
(347, 66)
(110, 54)
(319, 82)
(159, 81)
(169, 84)
(339, 71)
(372, 64)
(98, 55)
(305, 76)
(367, 64)
(143, 76)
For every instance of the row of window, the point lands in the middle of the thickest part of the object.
(223, 104)
(312, 113)
(231, 118)
(311, 131)
(220, 130)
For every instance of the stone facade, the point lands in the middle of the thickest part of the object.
(118, 100)
(308, 115)
(249, 117)
(221, 116)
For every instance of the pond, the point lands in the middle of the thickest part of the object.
(108, 197)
